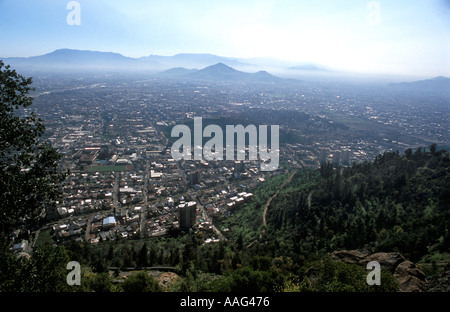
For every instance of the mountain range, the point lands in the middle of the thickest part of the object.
(84, 60)
(436, 83)
(188, 66)
(180, 66)
(218, 72)
(64, 60)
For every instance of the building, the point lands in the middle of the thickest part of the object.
(187, 213)
(20, 247)
(345, 157)
(323, 154)
(194, 177)
(239, 166)
(336, 158)
(108, 223)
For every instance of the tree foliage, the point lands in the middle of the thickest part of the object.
(141, 282)
(327, 275)
(44, 271)
(395, 203)
(29, 177)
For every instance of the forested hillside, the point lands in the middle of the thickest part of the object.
(398, 202)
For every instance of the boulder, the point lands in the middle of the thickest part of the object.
(387, 260)
(409, 277)
(350, 256)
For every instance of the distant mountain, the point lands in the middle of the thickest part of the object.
(190, 60)
(67, 59)
(439, 83)
(219, 72)
(68, 56)
(176, 73)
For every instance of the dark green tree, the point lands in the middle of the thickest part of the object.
(29, 176)
(141, 282)
(44, 271)
(142, 260)
(101, 282)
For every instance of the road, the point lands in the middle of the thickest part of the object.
(115, 193)
(206, 217)
(143, 216)
(87, 235)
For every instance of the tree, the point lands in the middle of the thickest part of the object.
(141, 282)
(433, 149)
(44, 271)
(100, 282)
(188, 255)
(247, 279)
(29, 177)
(143, 256)
(326, 275)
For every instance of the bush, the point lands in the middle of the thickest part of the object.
(141, 282)
(334, 276)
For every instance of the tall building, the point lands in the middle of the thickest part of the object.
(194, 177)
(239, 166)
(187, 213)
(345, 157)
(336, 158)
(323, 155)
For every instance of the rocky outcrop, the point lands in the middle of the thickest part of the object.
(350, 256)
(408, 275)
(388, 260)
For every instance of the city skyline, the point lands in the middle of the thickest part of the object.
(375, 37)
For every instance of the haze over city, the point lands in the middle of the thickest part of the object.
(408, 38)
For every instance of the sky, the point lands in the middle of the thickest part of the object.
(388, 37)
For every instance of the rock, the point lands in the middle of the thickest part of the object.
(409, 277)
(387, 260)
(350, 256)
(167, 278)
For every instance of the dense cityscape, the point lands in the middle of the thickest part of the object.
(114, 134)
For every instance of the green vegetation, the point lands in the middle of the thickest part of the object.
(141, 282)
(107, 168)
(45, 238)
(331, 276)
(44, 271)
(29, 176)
(246, 223)
(396, 203)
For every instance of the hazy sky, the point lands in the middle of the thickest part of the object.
(396, 36)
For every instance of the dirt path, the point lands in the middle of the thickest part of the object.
(269, 201)
(266, 207)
